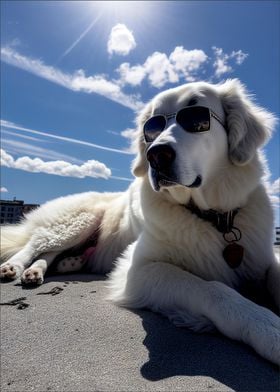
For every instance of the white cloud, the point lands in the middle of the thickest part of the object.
(132, 75)
(181, 64)
(273, 189)
(130, 134)
(90, 168)
(121, 40)
(76, 81)
(239, 56)
(221, 67)
(187, 61)
(3, 189)
(221, 63)
(35, 66)
(160, 69)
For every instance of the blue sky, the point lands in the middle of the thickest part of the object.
(73, 75)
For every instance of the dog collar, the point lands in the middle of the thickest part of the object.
(224, 223)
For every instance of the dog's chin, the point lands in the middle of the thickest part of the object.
(160, 181)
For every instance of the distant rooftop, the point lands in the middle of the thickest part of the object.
(12, 211)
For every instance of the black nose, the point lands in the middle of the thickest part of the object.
(161, 156)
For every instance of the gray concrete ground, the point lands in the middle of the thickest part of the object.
(76, 341)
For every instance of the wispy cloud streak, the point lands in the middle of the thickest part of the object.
(19, 135)
(84, 33)
(19, 147)
(76, 81)
(8, 124)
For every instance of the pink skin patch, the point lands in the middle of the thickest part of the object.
(88, 253)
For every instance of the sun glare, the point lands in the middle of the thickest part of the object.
(134, 16)
(124, 10)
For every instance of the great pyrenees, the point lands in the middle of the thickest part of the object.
(190, 235)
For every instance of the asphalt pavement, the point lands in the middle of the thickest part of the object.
(64, 336)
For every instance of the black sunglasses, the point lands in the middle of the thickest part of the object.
(194, 119)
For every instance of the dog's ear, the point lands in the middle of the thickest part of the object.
(140, 164)
(249, 126)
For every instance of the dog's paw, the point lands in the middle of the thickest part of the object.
(70, 264)
(9, 271)
(32, 275)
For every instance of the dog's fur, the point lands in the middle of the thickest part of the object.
(165, 257)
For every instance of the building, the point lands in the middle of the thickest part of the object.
(11, 211)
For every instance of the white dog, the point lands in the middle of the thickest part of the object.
(191, 233)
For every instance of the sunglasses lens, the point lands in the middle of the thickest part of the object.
(153, 128)
(194, 119)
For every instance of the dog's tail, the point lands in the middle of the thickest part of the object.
(12, 240)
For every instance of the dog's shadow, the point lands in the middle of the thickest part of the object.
(177, 351)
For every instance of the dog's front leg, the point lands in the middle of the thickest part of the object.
(14, 267)
(242, 319)
(138, 281)
(35, 273)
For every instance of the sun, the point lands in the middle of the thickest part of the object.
(135, 16)
(124, 11)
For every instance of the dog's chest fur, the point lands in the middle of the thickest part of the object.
(197, 246)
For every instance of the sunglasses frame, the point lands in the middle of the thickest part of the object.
(174, 115)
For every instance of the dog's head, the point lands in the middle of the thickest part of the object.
(189, 149)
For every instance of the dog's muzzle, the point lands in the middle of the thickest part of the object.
(161, 157)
